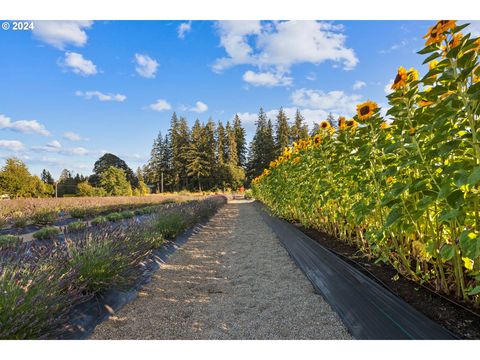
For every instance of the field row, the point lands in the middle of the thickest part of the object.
(41, 282)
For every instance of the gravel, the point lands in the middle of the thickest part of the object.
(231, 280)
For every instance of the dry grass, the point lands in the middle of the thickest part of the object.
(27, 208)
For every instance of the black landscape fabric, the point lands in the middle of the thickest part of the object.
(369, 311)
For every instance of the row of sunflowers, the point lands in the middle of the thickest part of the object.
(403, 187)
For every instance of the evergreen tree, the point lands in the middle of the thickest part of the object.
(197, 165)
(299, 129)
(47, 178)
(232, 154)
(240, 137)
(182, 150)
(166, 165)
(331, 119)
(175, 151)
(222, 144)
(155, 168)
(282, 132)
(209, 150)
(315, 130)
(262, 147)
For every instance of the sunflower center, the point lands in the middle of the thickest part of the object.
(366, 109)
(397, 79)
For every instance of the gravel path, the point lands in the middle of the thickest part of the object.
(231, 280)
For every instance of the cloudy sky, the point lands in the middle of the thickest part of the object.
(72, 90)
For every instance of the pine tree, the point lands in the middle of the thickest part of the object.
(166, 165)
(175, 151)
(209, 147)
(155, 163)
(47, 178)
(331, 119)
(299, 129)
(315, 129)
(196, 163)
(183, 146)
(262, 147)
(240, 137)
(282, 132)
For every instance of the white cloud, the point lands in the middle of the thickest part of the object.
(56, 147)
(281, 44)
(183, 29)
(23, 126)
(394, 47)
(101, 96)
(199, 107)
(160, 105)
(388, 88)
(55, 144)
(78, 64)
(268, 79)
(311, 76)
(359, 84)
(334, 101)
(70, 135)
(62, 33)
(12, 145)
(146, 66)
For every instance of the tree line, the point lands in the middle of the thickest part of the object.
(206, 156)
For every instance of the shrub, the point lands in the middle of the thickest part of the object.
(82, 213)
(47, 233)
(109, 259)
(44, 217)
(77, 226)
(99, 220)
(248, 194)
(20, 222)
(9, 240)
(127, 214)
(170, 225)
(36, 300)
(114, 216)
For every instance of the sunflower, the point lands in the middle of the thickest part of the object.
(324, 124)
(424, 102)
(384, 125)
(446, 25)
(412, 74)
(455, 41)
(432, 64)
(389, 180)
(366, 110)
(273, 164)
(317, 139)
(296, 160)
(342, 123)
(412, 131)
(400, 79)
(352, 123)
(477, 43)
(434, 35)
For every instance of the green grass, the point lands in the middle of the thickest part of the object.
(127, 214)
(47, 233)
(114, 216)
(77, 226)
(44, 217)
(170, 225)
(99, 220)
(9, 240)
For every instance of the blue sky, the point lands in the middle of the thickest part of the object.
(72, 90)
